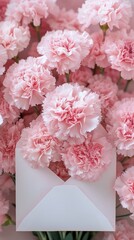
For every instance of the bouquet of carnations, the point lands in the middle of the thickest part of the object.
(67, 110)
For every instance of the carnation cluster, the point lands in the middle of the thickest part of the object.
(67, 95)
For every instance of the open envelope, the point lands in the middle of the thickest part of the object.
(44, 202)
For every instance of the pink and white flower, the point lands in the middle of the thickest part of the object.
(4, 207)
(9, 136)
(3, 6)
(27, 11)
(87, 161)
(124, 186)
(64, 50)
(59, 169)
(27, 83)
(81, 76)
(8, 112)
(38, 147)
(3, 59)
(106, 89)
(121, 126)
(71, 111)
(63, 19)
(13, 38)
(124, 231)
(119, 47)
(114, 13)
(97, 54)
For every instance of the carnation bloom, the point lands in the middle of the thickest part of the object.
(121, 126)
(124, 185)
(38, 147)
(27, 83)
(97, 54)
(124, 231)
(59, 169)
(119, 47)
(3, 59)
(81, 76)
(112, 73)
(27, 11)
(71, 111)
(4, 207)
(87, 161)
(114, 13)
(8, 113)
(6, 184)
(64, 19)
(9, 136)
(106, 89)
(3, 5)
(64, 50)
(13, 38)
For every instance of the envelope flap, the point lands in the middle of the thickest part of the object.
(29, 185)
(65, 205)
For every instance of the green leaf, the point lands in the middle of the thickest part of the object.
(55, 235)
(69, 237)
(8, 221)
(86, 236)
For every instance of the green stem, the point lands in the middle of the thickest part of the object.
(16, 59)
(124, 159)
(38, 33)
(67, 77)
(64, 234)
(41, 236)
(104, 28)
(118, 206)
(127, 84)
(36, 110)
(61, 237)
(125, 215)
(80, 235)
(49, 236)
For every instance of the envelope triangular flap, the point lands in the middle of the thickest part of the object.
(65, 208)
(31, 185)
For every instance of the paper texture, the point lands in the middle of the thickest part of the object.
(45, 202)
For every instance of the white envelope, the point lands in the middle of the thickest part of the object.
(44, 202)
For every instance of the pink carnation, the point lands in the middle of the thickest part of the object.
(3, 59)
(6, 184)
(97, 54)
(13, 38)
(8, 113)
(71, 111)
(112, 73)
(106, 89)
(119, 47)
(4, 207)
(81, 76)
(64, 19)
(9, 136)
(60, 170)
(114, 13)
(87, 161)
(65, 50)
(27, 83)
(27, 11)
(124, 186)
(38, 147)
(124, 231)
(3, 5)
(121, 126)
